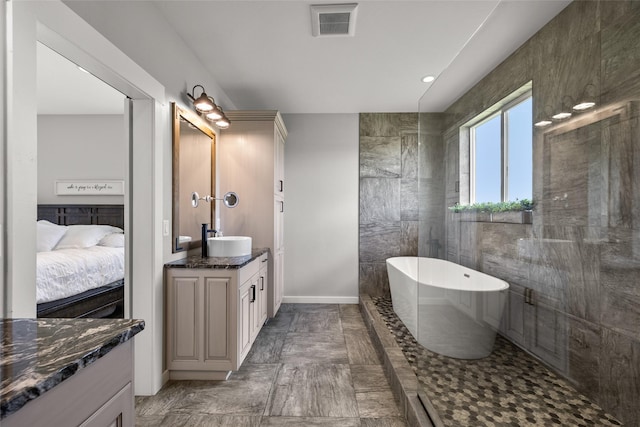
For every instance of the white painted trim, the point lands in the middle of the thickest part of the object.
(320, 300)
(3, 135)
(58, 27)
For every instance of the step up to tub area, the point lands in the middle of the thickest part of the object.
(510, 387)
(399, 373)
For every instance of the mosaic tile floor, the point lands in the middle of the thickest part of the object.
(508, 388)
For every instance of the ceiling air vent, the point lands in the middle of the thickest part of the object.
(333, 19)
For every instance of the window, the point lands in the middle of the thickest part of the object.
(501, 153)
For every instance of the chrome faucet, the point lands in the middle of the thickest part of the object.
(205, 234)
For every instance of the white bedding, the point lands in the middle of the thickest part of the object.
(65, 272)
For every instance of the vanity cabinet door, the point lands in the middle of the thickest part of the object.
(198, 321)
(245, 319)
(264, 288)
(184, 321)
(278, 172)
(255, 307)
(217, 334)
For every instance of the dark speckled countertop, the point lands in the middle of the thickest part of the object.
(38, 354)
(196, 261)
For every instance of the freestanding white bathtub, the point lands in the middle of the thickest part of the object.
(450, 309)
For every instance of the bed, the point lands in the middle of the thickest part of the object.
(80, 261)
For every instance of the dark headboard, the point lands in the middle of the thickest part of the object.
(83, 214)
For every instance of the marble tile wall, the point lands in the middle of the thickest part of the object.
(581, 255)
(388, 195)
(431, 183)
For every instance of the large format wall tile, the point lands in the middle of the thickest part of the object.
(388, 124)
(373, 279)
(584, 356)
(620, 376)
(379, 200)
(581, 255)
(409, 207)
(380, 157)
(620, 136)
(389, 207)
(409, 154)
(568, 75)
(409, 238)
(379, 241)
(621, 53)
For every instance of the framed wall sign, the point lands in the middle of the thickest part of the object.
(89, 188)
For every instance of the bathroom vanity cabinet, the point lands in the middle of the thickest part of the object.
(251, 163)
(215, 308)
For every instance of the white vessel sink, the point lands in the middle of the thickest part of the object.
(227, 246)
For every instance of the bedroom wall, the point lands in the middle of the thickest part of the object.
(70, 147)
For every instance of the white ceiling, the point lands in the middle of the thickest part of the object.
(263, 55)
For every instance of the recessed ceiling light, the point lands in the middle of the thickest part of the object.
(82, 69)
(428, 79)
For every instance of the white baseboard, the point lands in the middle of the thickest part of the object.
(320, 300)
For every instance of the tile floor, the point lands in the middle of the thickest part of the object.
(508, 388)
(311, 365)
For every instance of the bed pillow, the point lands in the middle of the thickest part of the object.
(85, 236)
(48, 235)
(112, 240)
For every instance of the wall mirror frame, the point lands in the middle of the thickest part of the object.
(193, 144)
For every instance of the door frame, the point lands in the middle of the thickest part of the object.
(58, 27)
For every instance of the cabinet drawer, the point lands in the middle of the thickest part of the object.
(248, 271)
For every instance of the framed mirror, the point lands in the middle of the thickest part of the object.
(193, 171)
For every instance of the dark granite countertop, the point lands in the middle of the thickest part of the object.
(196, 261)
(38, 354)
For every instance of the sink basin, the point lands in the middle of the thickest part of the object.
(227, 246)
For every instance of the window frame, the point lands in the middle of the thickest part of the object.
(486, 116)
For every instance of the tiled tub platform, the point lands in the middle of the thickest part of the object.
(508, 388)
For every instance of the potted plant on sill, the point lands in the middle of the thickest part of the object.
(518, 211)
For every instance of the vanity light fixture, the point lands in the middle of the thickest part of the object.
(206, 105)
(223, 122)
(203, 103)
(215, 113)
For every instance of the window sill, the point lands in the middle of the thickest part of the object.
(515, 217)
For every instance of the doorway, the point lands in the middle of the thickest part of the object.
(83, 153)
(53, 24)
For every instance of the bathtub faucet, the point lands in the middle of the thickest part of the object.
(205, 234)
